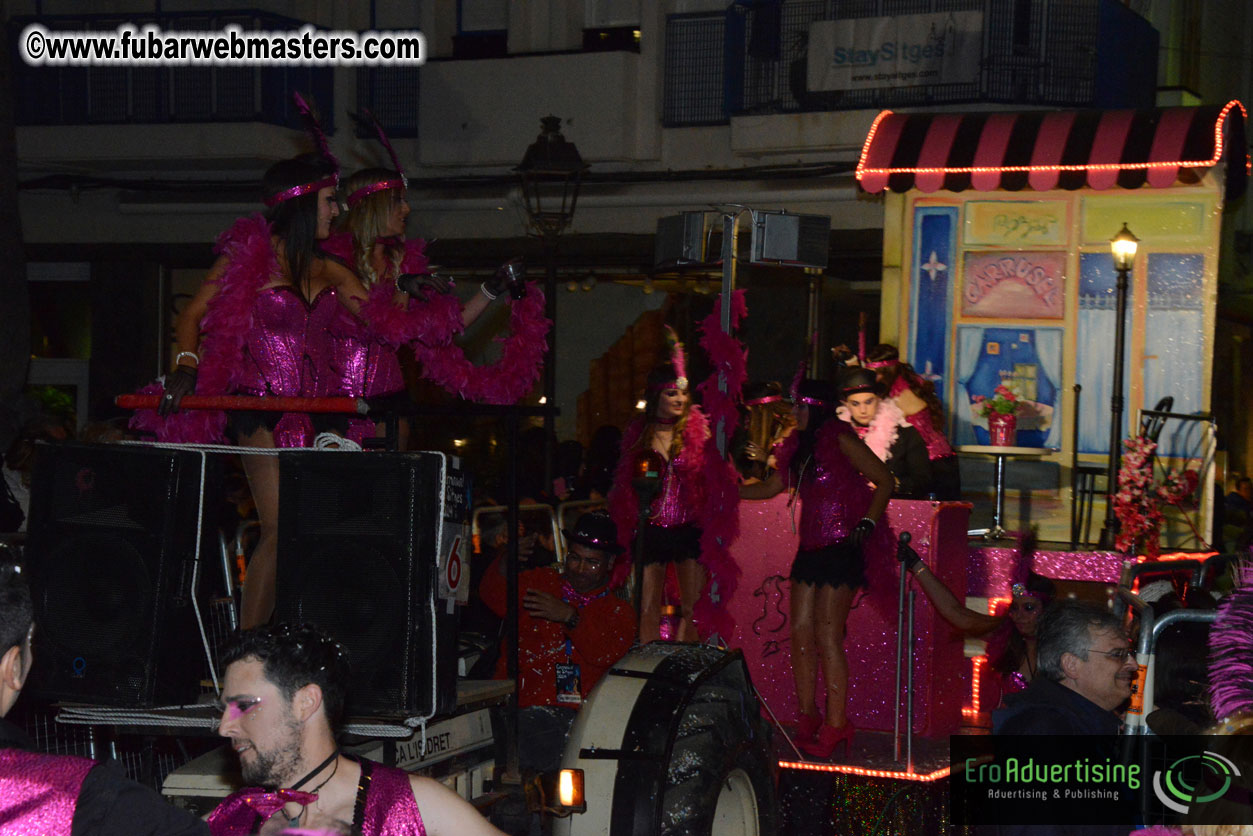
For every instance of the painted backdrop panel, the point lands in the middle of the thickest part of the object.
(931, 274)
(1029, 361)
(1021, 285)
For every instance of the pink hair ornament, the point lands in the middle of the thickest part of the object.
(401, 183)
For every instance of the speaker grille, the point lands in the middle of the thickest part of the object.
(357, 556)
(111, 548)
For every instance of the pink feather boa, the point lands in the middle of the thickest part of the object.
(514, 373)
(251, 263)
(718, 518)
(883, 429)
(435, 320)
(430, 325)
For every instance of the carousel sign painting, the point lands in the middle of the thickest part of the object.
(1020, 285)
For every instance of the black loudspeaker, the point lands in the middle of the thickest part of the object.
(111, 561)
(360, 541)
(681, 239)
(796, 240)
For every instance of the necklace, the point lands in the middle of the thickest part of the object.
(292, 821)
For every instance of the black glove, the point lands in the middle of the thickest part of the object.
(860, 533)
(509, 276)
(181, 381)
(906, 555)
(417, 284)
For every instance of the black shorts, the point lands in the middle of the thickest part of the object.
(838, 564)
(670, 545)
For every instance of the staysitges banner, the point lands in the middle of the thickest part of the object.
(868, 52)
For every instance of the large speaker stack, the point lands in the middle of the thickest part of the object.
(364, 540)
(110, 556)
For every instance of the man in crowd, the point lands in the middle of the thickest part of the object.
(1085, 669)
(283, 699)
(571, 628)
(60, 795)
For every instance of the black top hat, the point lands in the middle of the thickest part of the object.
(856, 380)
(595, 529)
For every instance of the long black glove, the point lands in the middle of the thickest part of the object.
(905, 553)
(860, 533)
(180, 382)
(417, 284)
(509, 276)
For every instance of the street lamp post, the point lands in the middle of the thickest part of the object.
(1123, 246)
(550, 175)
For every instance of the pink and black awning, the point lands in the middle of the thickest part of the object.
(1058, 149)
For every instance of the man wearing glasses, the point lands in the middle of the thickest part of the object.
(1085, 671)
(571, 628)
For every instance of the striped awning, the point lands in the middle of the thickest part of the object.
(1058, 149)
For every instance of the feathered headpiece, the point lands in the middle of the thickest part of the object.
(401, 183)
(678, 359)
(1231, 650)
(795, 389)
(1024, 582)
(314, 127)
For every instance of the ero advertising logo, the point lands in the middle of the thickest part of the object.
(1194, 779)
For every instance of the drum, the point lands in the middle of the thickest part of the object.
(672, 741)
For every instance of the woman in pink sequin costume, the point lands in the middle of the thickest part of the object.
(369, 242)
(917, 399)
(677, 431)
(828, 466)
(244, 332)
(1010, 636)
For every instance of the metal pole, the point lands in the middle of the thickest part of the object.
(550, 364)
(730, 229)
(1076, 507)
(1110, 530)
(909, 687)
(511, 597)
(900, 637)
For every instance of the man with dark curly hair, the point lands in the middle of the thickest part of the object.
(282, 702)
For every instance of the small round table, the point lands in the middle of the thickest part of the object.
(1001, 454)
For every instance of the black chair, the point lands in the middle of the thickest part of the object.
(1084, 475)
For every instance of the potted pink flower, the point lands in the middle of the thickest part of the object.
(1001, 410)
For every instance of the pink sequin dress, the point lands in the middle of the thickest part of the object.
(38, 792)
(385, 806)
(834, 496)
(945, 474)
(937, 445)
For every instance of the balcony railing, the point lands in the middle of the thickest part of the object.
(1066, 53)
(157, 95)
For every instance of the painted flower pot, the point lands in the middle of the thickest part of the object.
(1003, 429)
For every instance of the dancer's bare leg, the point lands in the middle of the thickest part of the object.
(691, 585)
(831, 616)
(804, 649)
(261, 578)
(652, 589)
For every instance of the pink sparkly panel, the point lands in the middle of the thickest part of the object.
(765, 550)
(274, 362)
(38, 792)
(390, 809)
(347, 359)
(678, 503)
(992, 568)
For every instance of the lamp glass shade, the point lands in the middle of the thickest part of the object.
(1123, 246)
(550, 175)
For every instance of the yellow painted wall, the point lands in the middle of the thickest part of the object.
(1182, 219)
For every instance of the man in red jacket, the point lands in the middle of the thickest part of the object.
(571, 629)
